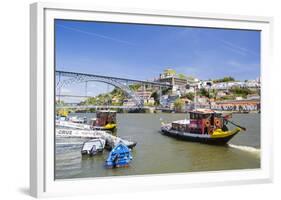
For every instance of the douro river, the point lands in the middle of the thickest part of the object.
(158, 154)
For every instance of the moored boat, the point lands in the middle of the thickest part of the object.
(92, 147)
(113, 141)
(78, 120)
(204, 126)
(120, 156)
(105, 120)
(110, 140)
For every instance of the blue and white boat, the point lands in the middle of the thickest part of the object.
(120, 156)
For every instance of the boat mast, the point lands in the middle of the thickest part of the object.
(195, 98)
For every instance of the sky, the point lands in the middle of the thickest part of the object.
(142, 52)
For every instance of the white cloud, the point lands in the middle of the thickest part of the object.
(96, 35)
(236, 48)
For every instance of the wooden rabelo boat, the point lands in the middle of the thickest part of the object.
(204, 126)
(105, 120)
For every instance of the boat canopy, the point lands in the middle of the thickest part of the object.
(98, 143)
(106, 116)
(119, 156)
(203, 113)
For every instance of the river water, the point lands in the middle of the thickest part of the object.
(158, 154)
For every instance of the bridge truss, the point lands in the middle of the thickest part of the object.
(120, 83)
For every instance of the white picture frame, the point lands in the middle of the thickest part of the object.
(42, 181)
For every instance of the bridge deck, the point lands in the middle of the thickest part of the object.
(100, 107)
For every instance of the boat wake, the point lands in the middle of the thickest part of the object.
(248, 149)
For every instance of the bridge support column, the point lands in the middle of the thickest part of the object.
(160, 93)
(59, 88)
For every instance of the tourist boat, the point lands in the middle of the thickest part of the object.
(78, 120)
(105, 120)
(92, 147)
(204, 126)
(120, 156)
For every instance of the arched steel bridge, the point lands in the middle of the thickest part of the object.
(121, 83)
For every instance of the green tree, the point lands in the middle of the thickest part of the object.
(149, 104)
(169, 72)
(181, 76)
(156, 97)
(224, 79)
(237, 91)
(178, 105)
(214, 94)
(166, 91)
(204, 92)
(134, 87)
(189, 95)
